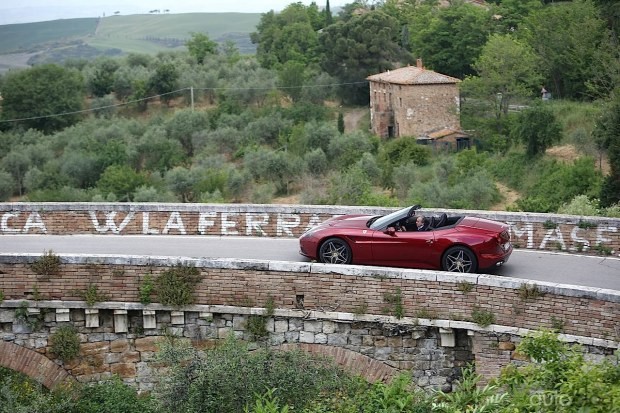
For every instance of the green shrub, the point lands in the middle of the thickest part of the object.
(176, 286)
(482, 317)
(145, 290)
(65, 343)
(48, 264)
(228, 378)
(92, 295)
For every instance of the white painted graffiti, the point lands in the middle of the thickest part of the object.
(555, 236)
(33, 222)
(286, 225)
(254, 223)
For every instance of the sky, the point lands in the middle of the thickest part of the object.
(25, 11)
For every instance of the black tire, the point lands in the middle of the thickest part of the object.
(335, 251)
(459, 259)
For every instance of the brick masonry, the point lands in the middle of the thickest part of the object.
(550, 232)
(320, 307)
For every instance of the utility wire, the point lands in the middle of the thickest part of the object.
(176, 91)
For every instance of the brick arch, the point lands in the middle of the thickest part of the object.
(32, 364)
(356, 363)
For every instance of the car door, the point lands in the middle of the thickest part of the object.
(404, 249)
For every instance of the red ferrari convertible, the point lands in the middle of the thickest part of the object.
(455, 243)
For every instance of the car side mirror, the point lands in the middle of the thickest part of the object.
(390, 231)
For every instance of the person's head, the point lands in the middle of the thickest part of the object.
(419, 221)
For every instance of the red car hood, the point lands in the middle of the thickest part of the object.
(348, 221)
(484, 224)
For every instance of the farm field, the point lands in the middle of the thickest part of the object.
(54, 41)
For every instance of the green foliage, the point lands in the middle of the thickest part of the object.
(507, 70)
(228, 378)
(121, 181)
(92, 295)
(581, 205)
(65, 343)
(267, 402)
(442, 185)
(350, 53)
(1, 296)
(200, 46)
(175, 286)
(6, 186)
(185, 126)
(53, 88)
(538, 128)
(395, 303)
(449, 39)
(571, 32)
(112, 396)
(465, 286)
(100, 76)
(529, 292)
(558, 183)
(21, 394)
(399, 395)
(48, 264)
(145, 289)
(607, 134)
(470, 397)
(561, 379)
(482, 317)
(164, 81)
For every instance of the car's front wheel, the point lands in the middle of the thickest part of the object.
(335, 251)
(459, 259)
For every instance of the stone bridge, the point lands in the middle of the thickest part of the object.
(373, 321)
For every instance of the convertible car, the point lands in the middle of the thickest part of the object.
(455, 243)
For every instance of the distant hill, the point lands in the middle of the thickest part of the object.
(58, 40)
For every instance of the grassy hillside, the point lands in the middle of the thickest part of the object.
(152, 33)
(28, 36)
(58, 40)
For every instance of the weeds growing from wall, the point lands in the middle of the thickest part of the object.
(48, 264)
(257, 324)
(529, 292)
(395, 305)
(176, 286)
(92, 295)
(465, 286)
(65, 343)
(146, 289)
(482, 317)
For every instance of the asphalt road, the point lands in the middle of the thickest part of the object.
(561, 268)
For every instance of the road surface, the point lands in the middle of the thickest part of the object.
(561, 268)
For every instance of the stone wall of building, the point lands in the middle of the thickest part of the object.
(551, 232)
(413, 110)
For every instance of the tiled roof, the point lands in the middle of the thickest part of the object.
(412, 75)
(445, 132)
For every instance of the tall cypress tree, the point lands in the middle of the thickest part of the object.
(328, 15)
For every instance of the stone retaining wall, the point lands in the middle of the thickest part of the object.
(528, 230)
(423, 321)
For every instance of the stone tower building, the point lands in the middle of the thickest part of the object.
(413, 101)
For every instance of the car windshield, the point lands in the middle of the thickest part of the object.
(383, 221)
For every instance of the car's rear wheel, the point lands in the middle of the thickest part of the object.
(335, 251)
(459, 259)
